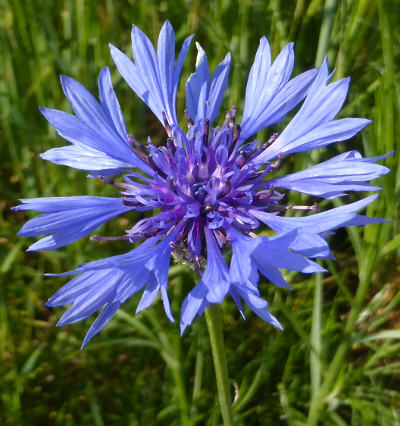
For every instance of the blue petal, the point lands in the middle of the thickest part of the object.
(312, 127)
(98, 132)
(242, 266)
(257, 305)
(197, 87)
(110, 104)
(194, 303)
(94, 298)
(218, 84)
(216, 274)
(269, 95)
(321, 222)
(153, 77)
(345, 172)
(274, 253)
(149, 295)
(204, 96)
(256, 80)
(109, 282)
(81, 157)
(311, 245)
(67, 218)
(101, 321)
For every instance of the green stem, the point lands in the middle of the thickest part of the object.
(214, 325)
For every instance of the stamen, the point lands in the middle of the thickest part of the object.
(236, 136)
(278, 207)
(221, 237)
(171, 146)
(206, 131)
(314, 207)
(139, 152)
(188, 119)
(227, 118)
(131, 203)
(98, 238)
(197, 265)
(166, 124)
(116, 184)
(277, 163)
(133, 143)
(206, 209)
(234, 145)
(264, 196)
(170, 183)
(241, 159)
(233, 115)
(271, 140)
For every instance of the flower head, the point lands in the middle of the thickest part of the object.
(213, 187)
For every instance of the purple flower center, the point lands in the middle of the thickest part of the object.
(203, 178)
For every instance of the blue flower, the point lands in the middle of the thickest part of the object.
(211, 187)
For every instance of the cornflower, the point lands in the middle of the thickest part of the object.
(210, 187)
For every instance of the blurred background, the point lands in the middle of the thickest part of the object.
(336, 363)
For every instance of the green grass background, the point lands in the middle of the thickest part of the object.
(336, 363)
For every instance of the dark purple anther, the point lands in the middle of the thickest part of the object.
(233, 115)
(105, 179)
(314, 207)
(220, 236)
(131, 203)
(227, 118)
(119, 238)
(171, 146)
(236, 135)
(140, 154)
(133, 143)
(206, 209)
(241, 159)
(171, 185)
(206, 131)
(277, 163)
(188, 119)
(272, 139)
(166, 124)
(264, 196)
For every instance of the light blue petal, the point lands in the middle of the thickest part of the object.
(194, 303)
(153, 77)
(101, 321)
(216, 274)
(312, 127)
(99, 120)
(218, 85)
(94, 299)
(274, 252)
(345, 172)
(68, 221)
(110, 105)
(84, 158)
(166, 62)
(149, 295)
(269, 95)
(79, 285)
(178, 66)
(320, 222)
(283, 102)
(166, 304)
(204, 94)
(197, 87)
(256, 81)
(258, 306)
